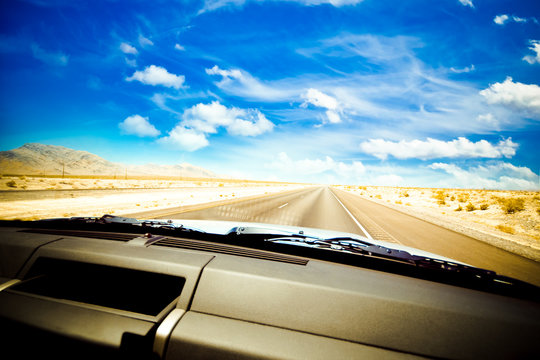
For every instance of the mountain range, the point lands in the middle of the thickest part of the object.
(40, 159)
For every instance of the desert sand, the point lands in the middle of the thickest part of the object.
(507, 219)
(32, 198)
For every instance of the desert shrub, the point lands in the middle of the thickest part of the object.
(378, 196)
(399, 202)
(484, 207)
(440, 195)
(11, 184)
(22, 177)
(512, 205)
(441, 202)
(464, 197)
(470, 207)
(459, 208)
(538, 211)
(507, 229)
(452, 198)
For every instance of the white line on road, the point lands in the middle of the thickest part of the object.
(283, 205)
(351, 215)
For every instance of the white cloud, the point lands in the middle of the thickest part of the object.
(130, 62)
(467, 3)
(333, 117)
(535, 47)
(156, 75)
(202, 119)
(405, 90)
(179, 47)
(160, 99)
(50, 58)
(501, 19)
(139, 126)
(319, 99)
(284, 164)
(128, 49)
(336, 3)
(434, 149)
(375, 48)
(515, 95)
(211, 5)
(206, 118)
(184, 139)
(143, 41)
(241, 83)
(466, 69)
(497, 175)
(488, 119)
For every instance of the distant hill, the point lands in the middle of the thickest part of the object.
(35, 159)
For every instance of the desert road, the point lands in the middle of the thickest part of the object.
(322, 207)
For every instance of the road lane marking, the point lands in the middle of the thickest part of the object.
(352, 216)
(282, 206)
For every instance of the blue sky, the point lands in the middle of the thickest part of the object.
(410, 93)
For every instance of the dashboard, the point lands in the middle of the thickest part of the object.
(84, 294)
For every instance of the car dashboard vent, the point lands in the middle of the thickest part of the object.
(86, 234)
(229, 249)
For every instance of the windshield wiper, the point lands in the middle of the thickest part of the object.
(120, 223)
(345, 250)
(354, 246)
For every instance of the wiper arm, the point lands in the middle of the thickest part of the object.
(124, 223)
(354, 246)
(348, 245)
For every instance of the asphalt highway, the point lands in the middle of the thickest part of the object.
(325, 208)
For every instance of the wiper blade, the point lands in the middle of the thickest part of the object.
(125, 223)
(348, 245)
(354, 246)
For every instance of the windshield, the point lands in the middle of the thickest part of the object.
(414, 123)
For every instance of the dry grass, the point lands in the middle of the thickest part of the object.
(134, 197)
(507, 229)
(512, 205)
(470, 207)
(45, 182)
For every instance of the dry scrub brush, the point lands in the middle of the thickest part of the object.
(511, 205)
